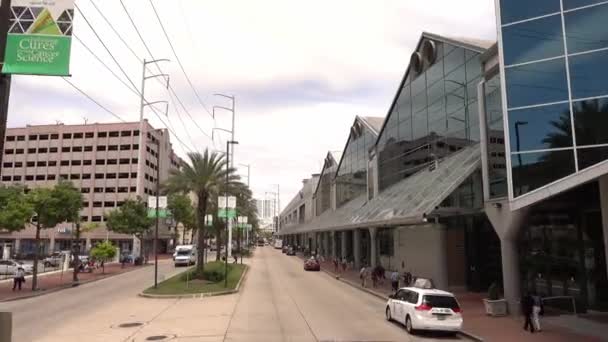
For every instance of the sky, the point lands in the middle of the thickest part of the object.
(300, 72)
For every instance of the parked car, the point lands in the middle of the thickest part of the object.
(10, 267)
(260, 243)
(424, 309)
(312, 264)
(55, 259)
(284, 248)
(291, 251)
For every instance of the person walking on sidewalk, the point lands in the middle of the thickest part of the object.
(363, 275)
(344, 264)
(537, 310)
(19, 278)
(527, 304)
(336, 265)
(395, 281)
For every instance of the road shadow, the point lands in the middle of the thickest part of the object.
(438, 335)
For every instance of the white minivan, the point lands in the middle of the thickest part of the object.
(184, 255)
(424, 309)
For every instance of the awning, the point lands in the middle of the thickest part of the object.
(405, 202)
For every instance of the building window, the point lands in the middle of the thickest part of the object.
(85, 190)
(41, 164)
(85, 204)
(99, 176)
(54, 136)
(146, 177)
(65, 149)
(125, 147)
(75, 176)
(40, 177)
(124, 161)
(135, 146)
(10, 138)
(95, 218)
(7, 165)
(65, 163)
(112, 161)
(63, 177)
(44, 137)
(111, 176)
(119, 203)
(101, 148)
(133, 189)
(21, 138)
(134, 160)
(108, 204)
(17, 178)
(31, 150)
(89, 135)
(136, 133)
(53, 150)
(77, 149)
(100, 162)
(114, 134)
(87, 162)
(86, 176)
(50, 177)
(97, 204)
(67, 135)
(113, 148)
(52, 163)
(123, 189)
(19, 151)
(30, 164)
(29, 178)
(123, 175)
(9, 151)
(42, 150)
(110, 190)
(88, 148)
(125, 133)
(102, 134)
(385, 242)
(6, 178)
(98, 190)
(76, 162)
(133, 174)
(33, 137)
(77, 135)
(84, 218)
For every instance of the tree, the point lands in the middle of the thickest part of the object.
(180, 206)
(202, 176)
(103, 252)
(52, 206)
(131, 218)
(76, 245)
(15, 211)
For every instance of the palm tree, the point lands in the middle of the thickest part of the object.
(203, 176)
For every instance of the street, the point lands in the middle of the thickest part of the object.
(279, 302)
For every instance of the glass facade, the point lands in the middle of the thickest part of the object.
(323, 193)
(556, 88)
(435, 113)
(497, 164)
(351, 177)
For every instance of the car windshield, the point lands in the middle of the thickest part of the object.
(437, 301)
(183, 252)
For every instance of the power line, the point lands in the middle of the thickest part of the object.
(181, 120)
(178, 60)
(93, 100)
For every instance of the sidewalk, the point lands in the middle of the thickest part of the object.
(57, 281)
(476, 322)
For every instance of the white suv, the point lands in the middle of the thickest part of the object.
(424, 309)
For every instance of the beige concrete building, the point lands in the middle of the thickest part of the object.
(108, 162)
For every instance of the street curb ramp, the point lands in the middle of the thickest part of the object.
(201, 295)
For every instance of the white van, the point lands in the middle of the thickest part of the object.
(278, 243)
(184, 255)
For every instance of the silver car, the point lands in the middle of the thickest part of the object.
(10, 267)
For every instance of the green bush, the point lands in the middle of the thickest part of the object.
(214, 272)
(493, 292)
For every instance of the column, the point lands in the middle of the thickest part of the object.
(343, 242)
(604, 206)
(334, 245)
(88, 244)
(372, 245)
(17, 247)
(51, 244)
(357, 248)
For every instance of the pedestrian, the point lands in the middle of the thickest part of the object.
(336, 267)
(363, 275)
(380, 272)
(537, 310)
(19, 278)
(344, 264)
(527, 304)
(375, 277)
(395, 281)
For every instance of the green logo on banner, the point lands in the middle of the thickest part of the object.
(39, 39)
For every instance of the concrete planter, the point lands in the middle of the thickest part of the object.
(495, 308)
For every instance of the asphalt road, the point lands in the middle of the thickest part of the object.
(282, 302)
(37, 317)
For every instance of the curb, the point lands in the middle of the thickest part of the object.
(200, 295)
(383, 297)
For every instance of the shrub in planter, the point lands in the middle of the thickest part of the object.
(493, 292)
(494, 305)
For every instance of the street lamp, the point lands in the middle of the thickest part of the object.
(228, 143)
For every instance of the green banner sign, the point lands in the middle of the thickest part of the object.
(223, 213)
(162, 213)
(40, 38)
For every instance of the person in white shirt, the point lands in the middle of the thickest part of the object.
(19, 278)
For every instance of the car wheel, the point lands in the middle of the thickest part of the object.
(388, 314)
(408, 325)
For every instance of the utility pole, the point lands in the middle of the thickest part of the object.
(248, 186)
(228, 225)
(157, 218)
(5, 79)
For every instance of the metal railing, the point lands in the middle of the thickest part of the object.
(570, 298)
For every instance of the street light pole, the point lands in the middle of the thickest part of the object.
(248, 186)
(158, 160)
(228, 225)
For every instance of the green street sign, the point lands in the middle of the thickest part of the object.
(40, 38)
(223, 213)
(162, 213)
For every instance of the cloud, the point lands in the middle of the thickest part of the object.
(300, 71)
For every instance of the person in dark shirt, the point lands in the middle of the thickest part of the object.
(527, 304)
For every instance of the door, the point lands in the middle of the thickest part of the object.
(410, 305)
(400, 301)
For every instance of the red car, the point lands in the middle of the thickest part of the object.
(312, 265)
